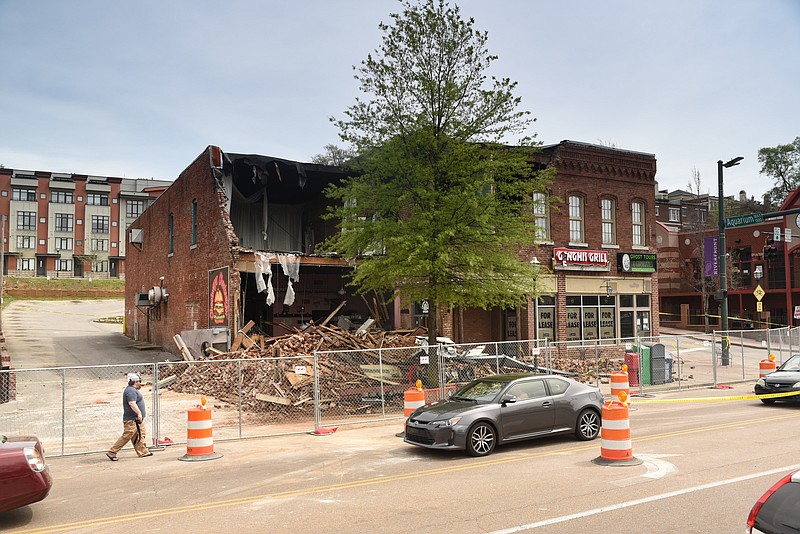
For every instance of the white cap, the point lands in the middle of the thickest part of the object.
(133, 377)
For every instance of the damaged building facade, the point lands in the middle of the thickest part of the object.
(234, 240)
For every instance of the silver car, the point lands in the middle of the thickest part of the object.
(505, 408)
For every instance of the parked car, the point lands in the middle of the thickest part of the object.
(24, 475)
(784, 379)
(778, 510)
(504, 408)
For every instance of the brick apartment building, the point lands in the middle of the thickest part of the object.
(235, 234)
(69, 225)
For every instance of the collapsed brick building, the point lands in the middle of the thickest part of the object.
(233, 240)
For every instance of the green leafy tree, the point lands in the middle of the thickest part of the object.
(782, 163)
(333, 155)
(440, 204)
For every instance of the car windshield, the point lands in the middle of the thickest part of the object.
(792, 364)
(480, 391)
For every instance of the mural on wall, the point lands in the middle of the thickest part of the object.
(218, 297)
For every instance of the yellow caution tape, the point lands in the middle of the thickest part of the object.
(637, 400)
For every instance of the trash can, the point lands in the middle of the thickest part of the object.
(632, 361)
(644, 372)
(658, 363)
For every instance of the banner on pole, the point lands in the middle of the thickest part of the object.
(711, 256)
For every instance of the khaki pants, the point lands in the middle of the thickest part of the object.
(133, 434)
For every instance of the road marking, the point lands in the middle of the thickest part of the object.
(645, 500)
(382, 479)
(656, 467)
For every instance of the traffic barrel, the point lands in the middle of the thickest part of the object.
(200, 435)
(615, 435)
(413, 398)
(619, 383)
(766, 366)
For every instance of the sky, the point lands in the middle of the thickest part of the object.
(140, 89)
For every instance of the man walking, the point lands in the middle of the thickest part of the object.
(132, 420)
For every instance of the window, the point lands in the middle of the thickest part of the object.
(575, 219)
(533, 389)
(546, 317)
(28, 195)
(194, 222)
(637, 217)
(25, 264)
(591, 317)
(100, 266)
(134, 208)
(99, 224)
(171, 226)
(61, 197)
(63, 222)
(100, 245)
(26, 220)
(63, 243)
(63, 265)
(674, 215)
(541, 214)
(97, 199)
(26, 241)
(608, 226)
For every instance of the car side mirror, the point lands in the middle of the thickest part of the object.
(508, 399)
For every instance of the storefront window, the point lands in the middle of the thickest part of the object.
(591, 317)
(546, 318)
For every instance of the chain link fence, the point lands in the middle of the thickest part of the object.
(77, 410)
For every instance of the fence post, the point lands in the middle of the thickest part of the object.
(714, 357)
(383, 390)
(240, 384)
(63, 409)
(677, 361)
(597, 363)
(156, 406)
(741, 343)
(317, 411)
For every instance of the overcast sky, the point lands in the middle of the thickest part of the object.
(139, 89)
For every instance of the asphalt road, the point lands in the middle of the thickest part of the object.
(704, 465)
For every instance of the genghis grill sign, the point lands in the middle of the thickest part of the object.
(569, 259)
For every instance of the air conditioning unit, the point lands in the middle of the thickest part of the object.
(137, 236)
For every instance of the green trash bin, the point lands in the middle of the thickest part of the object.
(644, 372)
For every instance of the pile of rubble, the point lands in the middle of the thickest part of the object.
(280, 379)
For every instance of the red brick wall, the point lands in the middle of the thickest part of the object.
(185, 271)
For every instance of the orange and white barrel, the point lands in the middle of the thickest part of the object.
(200, 436)
(766, 366)
(413, 398)
(619, 383)
(615, 436)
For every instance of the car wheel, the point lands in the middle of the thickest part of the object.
(588, 425)
(481, 439)
(768, 401)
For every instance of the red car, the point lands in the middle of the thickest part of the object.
(24, 477)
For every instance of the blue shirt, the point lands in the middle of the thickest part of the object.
(131, 394)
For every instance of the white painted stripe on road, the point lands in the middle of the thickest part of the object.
(645, 500)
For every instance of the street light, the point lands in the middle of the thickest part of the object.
(723, 264)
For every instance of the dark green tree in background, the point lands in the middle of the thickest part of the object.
(440, 203)
(782, 163)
